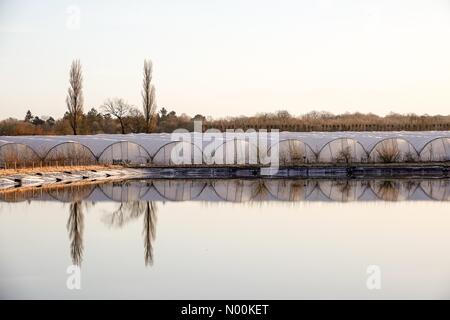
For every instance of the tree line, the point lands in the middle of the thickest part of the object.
(116, 115)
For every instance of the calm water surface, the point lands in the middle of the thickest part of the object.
(228, 239)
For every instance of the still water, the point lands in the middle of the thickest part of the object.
(228, 239)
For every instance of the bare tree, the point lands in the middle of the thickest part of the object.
(148, 96)
(117, 108)
(74, 98)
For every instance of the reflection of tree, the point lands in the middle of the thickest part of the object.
(259, 191)
(126, 212)
(388, 190)
(345, 188)
(75, 226)
(149, 231)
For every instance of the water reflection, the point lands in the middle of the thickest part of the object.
(75, 227)
(149, 232)
(131, 193)
(136, 199)
(307, 219)
(129, 211)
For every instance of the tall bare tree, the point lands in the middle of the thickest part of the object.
(148, 96)
(119, 109)
(74, 98)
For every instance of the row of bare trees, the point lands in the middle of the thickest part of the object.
(116, 107)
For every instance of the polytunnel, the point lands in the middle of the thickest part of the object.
(436, 150)
(393, 150)
(72, 153)
(293, 151)
(124, 152)
(177, 153)
(343, 150)
(17, 154)
(170, 149)
(236, 151)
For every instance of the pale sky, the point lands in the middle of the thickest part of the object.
(231, 57)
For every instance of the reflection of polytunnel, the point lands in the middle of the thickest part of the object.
(289, 190)
(436, 150)
(71, 153)
(236, 151)
(437, 189)
(342, 150)
(179, 190)
(178, 152)
(125, 191)
(393, 150)
(71, 193)
(131, 194)
(342, 190)
(17, 152)
(22, 195)
(394, 190)
(236, 190)
(293, 151)
(124, 152)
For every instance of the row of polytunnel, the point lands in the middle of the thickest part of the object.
(190, 148)
(235, 190)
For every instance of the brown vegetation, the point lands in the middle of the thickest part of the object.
(324, 121)
(133, 121)
(37, 169)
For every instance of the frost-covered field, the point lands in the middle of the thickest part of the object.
(158, 149)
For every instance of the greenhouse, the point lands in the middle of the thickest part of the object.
(224, 149)
(293, 151)
(342, 150)
(436, 150)
(393, 150)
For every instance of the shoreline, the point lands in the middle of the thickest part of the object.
(57, 176)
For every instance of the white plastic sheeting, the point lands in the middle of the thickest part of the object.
(17, 152)
(178, 152)
(236, 151)
(436, 150)
(394, 150)
(223, 148)
(343, 150)
(71, 153)
(292, 151)
(124, 152)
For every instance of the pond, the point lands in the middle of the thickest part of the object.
(228, 239)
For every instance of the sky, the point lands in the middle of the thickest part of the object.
(229, 58)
